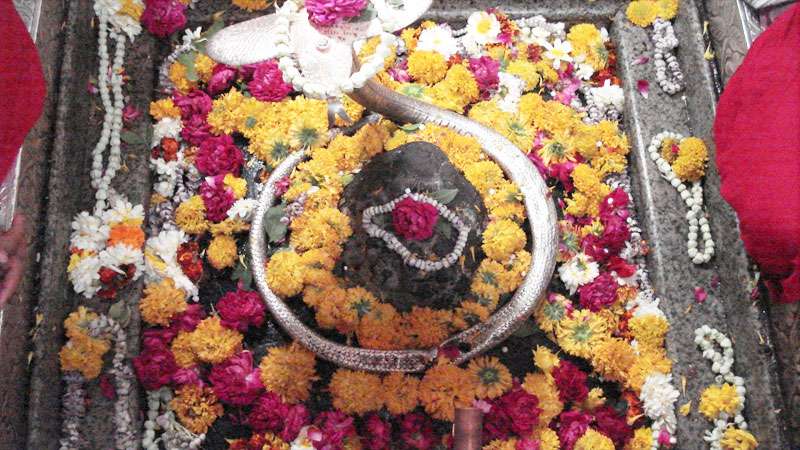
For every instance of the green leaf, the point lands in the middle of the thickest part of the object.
(445, 196)
(444, 228)
(528, 328)
(411, 127)
(120, 312)
(188, 60)
(276, 230)
(243, 275)
(132, 138)
(347, 179)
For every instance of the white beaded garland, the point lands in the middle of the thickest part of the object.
(396, 246)
(668, 71)
(700, 251)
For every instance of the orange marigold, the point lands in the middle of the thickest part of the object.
(356, 392)
(401, 393)
(428, 326)
(129, 235)
(213, 343)
(196, 407)
(289, 371)
(443, 388)
(492, 379)
(161, 302)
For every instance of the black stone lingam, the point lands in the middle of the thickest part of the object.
(368, 262)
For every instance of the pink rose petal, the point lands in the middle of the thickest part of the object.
(700, 295)
(641, 60)
(643, 86)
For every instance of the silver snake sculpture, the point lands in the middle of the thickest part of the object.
(250, 42)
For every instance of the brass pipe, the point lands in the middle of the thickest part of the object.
(468, 429)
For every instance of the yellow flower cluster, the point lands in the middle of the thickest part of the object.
(587, 42)
(164, 108)
(717, 399)
(196, 407)
(427, 67)
(82, 353)
(593, 440)
(190, 216)
(213, 343)
(738, 439)
(222, 252)
(544, 388)
(589, 192)
(356, 392)
(252, 5)
(161, 302)
(690, 165)
(643, 12)
(401, 393)
(289, 372)
(642, 439)
(649, 330)
(490, 377)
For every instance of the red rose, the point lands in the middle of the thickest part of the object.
(235, 381)
(612, 424)
(267, 84)
(414, 220)
(155, 367)
(379, 433)
(240, 309)
(571, 382)
(219, 156)
(163, 17)
(267, 413)
(522, 408)
(297, 416)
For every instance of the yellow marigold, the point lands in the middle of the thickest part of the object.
(204, 66)
(252, 5)
(612, 358)
(691, 162)
(493, 274)
(717, 399)
(502, 238)
(334, 311)
(285, 273)
(491, 378)
(648, 362)
(545, 359)
(642, 12)
(177, 75)
(649, 330)
(579, 333)
(182, 349)
(196, 407)
(400, 392)
(550, 312)
(213, 343)
(517, 268)
(228, 227)
(490, 114)
(427, 67)
(608, 163)
(161, 302)
(642, 439)
(505, 202)
(308, 132)
(543, 387)
(356, 392)
(667, 9)
(501, 444)
(459, 85)
(470, 313)
(548, 439)
(484, 175)
(555, 152)
(592, 440)
(237, 185)
(266, 441)
(289, 371)
(132, 9)
(738, 439)
(222, 252)
(376, 330)
(160, 109)
(368, 50)
(84, 354)
(443, 388)
(594, 400)
(326, 228)
(428, 326)
(226, 114)
(190, 216)
(77, 321)
(526, 71)
(410, 37)
(587, 42)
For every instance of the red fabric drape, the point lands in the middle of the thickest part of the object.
(757, 132)
(22, 88)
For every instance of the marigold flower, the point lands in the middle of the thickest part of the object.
(356, 392)
(400, 392)
(427, 67)
(648, 361)
(503, 238)
(196, 407)
(543, 387)
(613, 358)
(667, 9)
(484, 175)
(548, 439)
(84, 354)
(642, 12)
(691, 162)
(164, 108)
(213, 343)
(738, 439)
(580, 332)
(550, 312)
(190, 216)
(470, 313)
(491, 378)
(77, 321)
(377, 329)
(161, 302)
(428, 326)
(266, 441)
(177, 75)
(443, 388)
(289, 371)
(649, 330)
(545, 359)
(592, 440)
(642, 439)
(285, 273)
(222, 252)
(183, 350)
(717, 399)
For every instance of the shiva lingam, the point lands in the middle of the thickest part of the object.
(322, 64)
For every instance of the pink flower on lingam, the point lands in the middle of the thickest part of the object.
(267, 84)
(240, 309)
(414, 220)
(217, 198)
(163, 17)
(325, 13)
(486, 71)
(222, 77)
(219, 156)
(236, 381)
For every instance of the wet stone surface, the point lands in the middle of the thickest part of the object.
(367, 261)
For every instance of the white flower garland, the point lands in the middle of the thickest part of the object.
(174, 435)
(708, 339)
(73, 409)
(291, 72)
(692, 197)
(396, 246)
(668, 71)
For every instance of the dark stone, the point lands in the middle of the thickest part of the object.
(367, 261)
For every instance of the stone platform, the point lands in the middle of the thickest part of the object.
(56, 186)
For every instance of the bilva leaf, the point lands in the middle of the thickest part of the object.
(275, 228)
(444, 228)
(445, 196)
(243, 275)
(188, 59)
(131, 138)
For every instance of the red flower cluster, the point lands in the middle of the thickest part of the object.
(190, 261)
(217, 198)
(155, 366)
(219, 156)
(517, 412)
(600, 293)
(571, 382)
(330, 430)
(163, 17)
(414, 220)
(240, 309)
(416, 431)
(270, 413)
(487, 73)
(267, 84)
(235, 381)
(112, 280)
(378, 433)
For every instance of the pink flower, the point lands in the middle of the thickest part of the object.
(267, 414)
(235, 381)
(188, 375)
(157, 337)
(486, 71)
(196, 130)
(222, 77)
(414, 220)
(188, 320)
(217, 199)
(282, 186)
(612, 424)
(130, 114)
(219, 156)
(571, 382)
(332, 428)
(522, 409)
(611, 243)
(600, 293)
(194, 103)
(267, 84)
(416, 432)
(615, 205)
(400, 72)
(700, 295)
(240, 309)
(163, 17)
(643, 86)
(664, 438)
(572, 425)
(324, 13)
(297, 416)
(378, 433)
(154, 367)
(527, 444)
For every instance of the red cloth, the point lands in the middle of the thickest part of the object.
(757, 133)
(22, 88)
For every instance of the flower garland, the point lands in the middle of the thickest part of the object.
(396, 246)
(659, 14)
(682, 160)
(723, 402)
